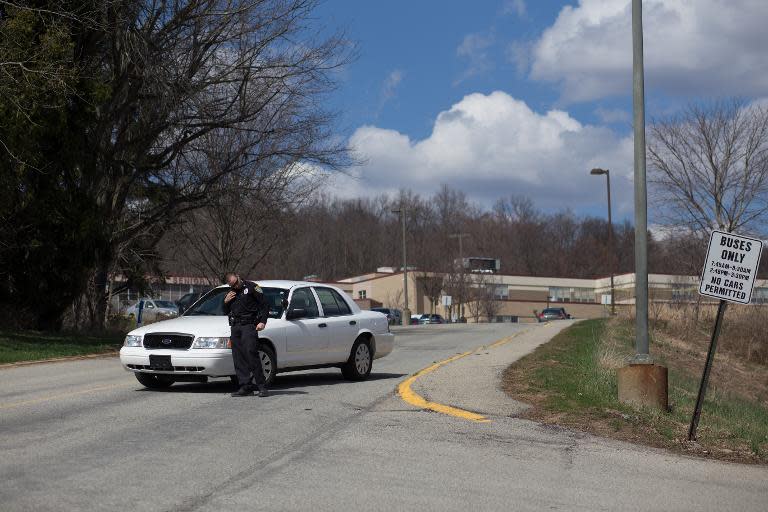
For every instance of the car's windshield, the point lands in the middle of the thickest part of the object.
(164, 304)
(212, 304)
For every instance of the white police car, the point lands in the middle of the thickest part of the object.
(310, 325)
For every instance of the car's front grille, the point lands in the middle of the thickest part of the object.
(176, 341)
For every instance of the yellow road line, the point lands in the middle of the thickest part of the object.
(413, 398)
(62, 395)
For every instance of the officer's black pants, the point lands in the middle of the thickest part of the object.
(245, 354)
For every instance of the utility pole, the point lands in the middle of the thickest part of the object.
(406, 316)
(611, 249)
(642, 352)
(461, 236)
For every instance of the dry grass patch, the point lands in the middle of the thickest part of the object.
(571, 381)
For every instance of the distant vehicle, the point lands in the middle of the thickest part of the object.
(309, 326)
(154, 309)
(187, 300)
(431, 319)
(394, 317)
(553, 314)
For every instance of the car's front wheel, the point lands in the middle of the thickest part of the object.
(268, 366)
(154, 381)
(268, 363)
(360, 362)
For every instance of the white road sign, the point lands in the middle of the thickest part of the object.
(731, 267)
(447, 300)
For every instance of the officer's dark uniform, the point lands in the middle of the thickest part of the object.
(248, 309)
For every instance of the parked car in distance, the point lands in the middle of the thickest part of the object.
(431, 319)
(553, 314)
(154, 310)
(309, 326)
(187, 300)
(394, 316)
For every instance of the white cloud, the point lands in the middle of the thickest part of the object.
(492, 146)
(474, 48)
(518, 53)
(516, 7)
(389, 88)
(702, 47)
(391, 83)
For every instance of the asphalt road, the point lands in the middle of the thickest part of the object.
(86, 436)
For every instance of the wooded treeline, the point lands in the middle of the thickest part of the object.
(334, 238)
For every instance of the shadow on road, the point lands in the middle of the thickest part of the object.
(282, 386)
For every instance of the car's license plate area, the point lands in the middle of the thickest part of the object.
(162, 363)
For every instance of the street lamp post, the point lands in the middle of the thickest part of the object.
(406, 316)
(611, 249)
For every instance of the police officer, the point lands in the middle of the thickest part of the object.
(248, 312)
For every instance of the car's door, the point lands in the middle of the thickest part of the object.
(306, 334)
(149, 314)
(342, 324)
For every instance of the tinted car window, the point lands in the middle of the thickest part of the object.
(303, 299)
(333, 303)
(343, 306)
(212, 303)
(164, 304)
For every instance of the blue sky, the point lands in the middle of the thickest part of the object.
(500, 97)
(420, 40)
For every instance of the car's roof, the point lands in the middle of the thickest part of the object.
(281, 283)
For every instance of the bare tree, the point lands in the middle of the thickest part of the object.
(457, 286)
(432, 285)
(709, 167)
(489, 302)
(395, 299)
(474, 304)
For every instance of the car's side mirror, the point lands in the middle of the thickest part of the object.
(295, 313)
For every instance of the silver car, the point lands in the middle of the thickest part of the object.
(154, 310)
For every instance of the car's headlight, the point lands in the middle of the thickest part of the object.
(132, 341)
(212, 343)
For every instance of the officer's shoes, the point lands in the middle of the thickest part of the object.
(263, 392)
(243, 391)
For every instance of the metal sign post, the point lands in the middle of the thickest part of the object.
(729, 275)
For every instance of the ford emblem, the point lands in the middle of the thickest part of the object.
(166, 341)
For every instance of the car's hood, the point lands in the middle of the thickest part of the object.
(198, 325)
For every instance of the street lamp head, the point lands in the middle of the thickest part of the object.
(598, 172)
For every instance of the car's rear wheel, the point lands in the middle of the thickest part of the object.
(360, 362)
(154, 381)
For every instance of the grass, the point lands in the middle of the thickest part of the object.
(16, 346)
(571, 381)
